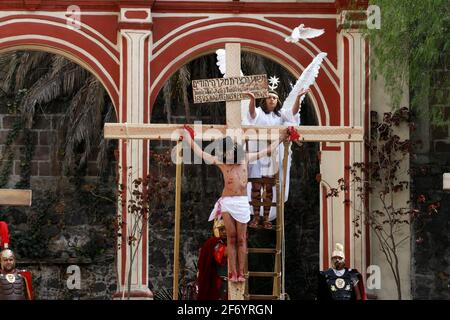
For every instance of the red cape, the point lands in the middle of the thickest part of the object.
(27, 276)
(208, 281)
(361, 287)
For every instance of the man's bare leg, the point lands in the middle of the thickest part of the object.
(230, 227)
(241, 230)
(256, 196)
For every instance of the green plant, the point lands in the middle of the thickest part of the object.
(140, 198)
(411, 43)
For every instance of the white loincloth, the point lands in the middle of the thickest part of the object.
(237, 206)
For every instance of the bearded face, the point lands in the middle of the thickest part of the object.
(8, 261)
(338, 263)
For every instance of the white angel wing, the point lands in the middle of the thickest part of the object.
(221, 63)
(301, 32)
(306, 79)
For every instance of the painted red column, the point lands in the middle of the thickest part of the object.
(356, 105)
(135, 35)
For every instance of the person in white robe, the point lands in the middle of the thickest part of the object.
(269, 113)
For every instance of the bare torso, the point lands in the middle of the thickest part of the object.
(235, 179)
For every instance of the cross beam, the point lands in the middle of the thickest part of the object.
(248, 132)
(446, 182)
(14, 197)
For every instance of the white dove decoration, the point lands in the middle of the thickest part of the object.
(221, 58)
(307, 78)
(301, 32)
(221, 61)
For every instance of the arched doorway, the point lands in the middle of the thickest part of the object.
(202, 185)
(53, 112)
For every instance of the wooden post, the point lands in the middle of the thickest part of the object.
(233, 63)
(15, 197)
(446, 182)
(176, 249)
(283, 188)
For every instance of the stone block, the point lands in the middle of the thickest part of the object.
(440, 132)
(45, 137)
(41, 153)
(44, 168)
(9, 121)
(441, 146)
(42, 122)
(18, 167)
(21, 139)
(3, 136)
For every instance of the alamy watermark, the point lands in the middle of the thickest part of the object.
(373, 17)
(74, 279)
(374, 277)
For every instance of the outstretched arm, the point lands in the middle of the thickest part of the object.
(268, 151)
(251, 106)
(296, 106)
(209, 159)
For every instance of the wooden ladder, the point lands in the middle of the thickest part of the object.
(277, 250)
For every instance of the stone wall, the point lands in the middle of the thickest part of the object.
(45, 162)
(66, 225)
(71, 220)
(431, 267)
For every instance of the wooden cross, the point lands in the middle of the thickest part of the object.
(233, 121)
(15, 197)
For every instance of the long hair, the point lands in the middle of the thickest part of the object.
(226, 144)
(277, 108)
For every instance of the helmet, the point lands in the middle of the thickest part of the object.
(218, 223)
(6, 253)
(338, 251)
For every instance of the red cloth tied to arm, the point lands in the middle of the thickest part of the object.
(293, 134)
(190, 130)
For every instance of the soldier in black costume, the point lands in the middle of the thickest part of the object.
(338, 282)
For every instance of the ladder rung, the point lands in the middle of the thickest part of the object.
(262, 297)
(263, 203)
(263, 180)
(262, 274)
(262, 250)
